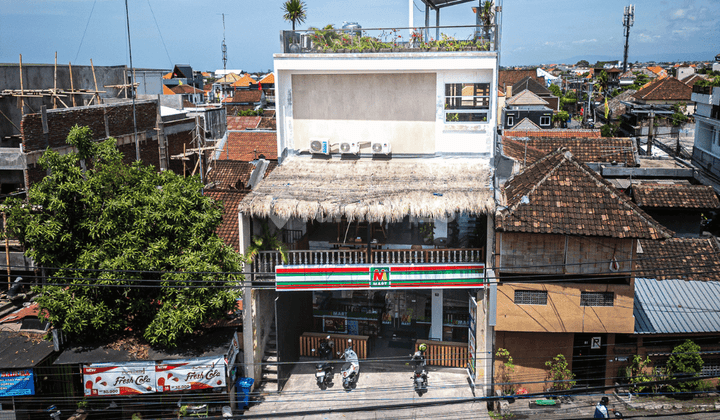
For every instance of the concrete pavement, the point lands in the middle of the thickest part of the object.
(384, 390)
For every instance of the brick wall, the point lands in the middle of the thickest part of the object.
(175, 142)
(149, 153)
(60, 121)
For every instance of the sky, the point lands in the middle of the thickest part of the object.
(168, 32)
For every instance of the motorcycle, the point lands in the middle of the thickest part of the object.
(420, 375)
(324, 370)
(351, 369)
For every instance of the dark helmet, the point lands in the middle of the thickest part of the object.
(604, 400)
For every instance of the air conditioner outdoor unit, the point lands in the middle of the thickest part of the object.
(320, 146)
(349, 148)
(381, 148)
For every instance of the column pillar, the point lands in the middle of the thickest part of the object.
(436, 326)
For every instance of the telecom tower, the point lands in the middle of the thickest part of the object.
(628, 20)
(224, 47)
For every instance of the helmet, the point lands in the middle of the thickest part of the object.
(422, 347)
(327, 338)
(604, 400)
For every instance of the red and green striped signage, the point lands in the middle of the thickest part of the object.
(363, 277)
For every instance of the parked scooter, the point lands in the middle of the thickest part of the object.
(420, 375)
(53, 412)
(351, 369)
(323, 369)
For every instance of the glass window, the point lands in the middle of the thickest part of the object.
(597, 298)
(467, 102)
(510, 120)
(545, 120)
(531, 297)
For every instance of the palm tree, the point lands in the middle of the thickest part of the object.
(487, 13)
(295, 11)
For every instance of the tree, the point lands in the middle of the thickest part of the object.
(555, 89)
(583, 63)
(678, 117)
(559, 373)
(684, 361)
(602, 82)
(295, 12)
(505, 372)
(126, 248)
(487, 13)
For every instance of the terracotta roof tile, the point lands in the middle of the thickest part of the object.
(245, 96)
(675, 196)
(555, 132)
(229, 174)
(510, 77)
(268, 79)
(526, 124)
(668, 88)
(268, 123)
(167, 91)
(249, 145)
(242, 123)
(558, 194)
(244, 81)
(693, 78)
(589, 150)
(228, 230)
(185, 89)
(520, 151)
(679, 258)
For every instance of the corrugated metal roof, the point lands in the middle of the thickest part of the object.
(676, 306)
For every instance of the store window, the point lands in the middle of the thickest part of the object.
(467, 102)
(597, 298)
(545, 120)
(531, 297)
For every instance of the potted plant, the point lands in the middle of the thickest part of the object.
(427, 231)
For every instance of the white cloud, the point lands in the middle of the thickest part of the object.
(584, 41)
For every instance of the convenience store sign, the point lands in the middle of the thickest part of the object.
(365, 277)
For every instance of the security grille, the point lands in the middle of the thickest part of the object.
(597, 298)
(530, 297)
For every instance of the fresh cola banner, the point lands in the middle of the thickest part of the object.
(191, 374)
(119, 378)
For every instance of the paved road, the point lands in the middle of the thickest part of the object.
(380, 393)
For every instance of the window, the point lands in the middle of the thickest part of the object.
(510, 120)
(597, 298)
(467, 102)
(530, 297)
(545, 120)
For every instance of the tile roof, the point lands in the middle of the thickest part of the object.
(228, 78)
(659, 71)
(245, 81)
(526, 97)
(679, 259)
(167, 91)
(268, 123)
(526, 124)
(510, 77)
(589, 150)
(186, 89)
(249, 145)
(229, 174)
(556, 132)
(228, 229)
(242, 123)
(616, 105)
(668, 88)
(521, 151)
(245, 96)
(529, 83)
(628, 75)
(675, 196)
(693, 78)
(269, 79)
(676, 306)
(558, 194)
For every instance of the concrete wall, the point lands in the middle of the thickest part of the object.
(530, 351)
(397, 108)
(263, 307)
(41, 76)
(563, 312)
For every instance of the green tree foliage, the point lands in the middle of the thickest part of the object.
(678, 117)
(505, 372)
(637, 374)
(641, 79)
(125, 247)
(295, 11)
(583, 63)
(609, 130)
(601, 81)
(684, 361)
(555, 89)
(559, 373)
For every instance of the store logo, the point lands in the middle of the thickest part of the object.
(379, 276)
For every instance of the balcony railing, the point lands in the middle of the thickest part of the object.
(266, 261)
(362, 40)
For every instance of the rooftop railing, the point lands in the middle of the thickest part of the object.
(385, 40)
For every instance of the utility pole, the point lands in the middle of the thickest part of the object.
(628, 20)
(224, 47)
(651, 132)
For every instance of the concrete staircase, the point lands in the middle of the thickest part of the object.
(269, 379)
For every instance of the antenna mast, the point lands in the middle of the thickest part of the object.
(628, 20)
(224, 47)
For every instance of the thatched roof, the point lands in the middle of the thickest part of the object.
(372, 190)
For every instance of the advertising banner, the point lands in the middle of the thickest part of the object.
(119, 378)
(17, 382)
(192, 374)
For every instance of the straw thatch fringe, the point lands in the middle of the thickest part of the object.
(375, 191)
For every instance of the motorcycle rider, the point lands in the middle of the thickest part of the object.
(351, 369)
(420, 374)
(419, 356)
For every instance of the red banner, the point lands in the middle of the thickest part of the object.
(191, 374)
(119, 378)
